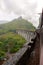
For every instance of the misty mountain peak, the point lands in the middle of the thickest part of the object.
(20, 18)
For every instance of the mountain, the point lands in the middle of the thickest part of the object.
(3, 21)
(18, 23)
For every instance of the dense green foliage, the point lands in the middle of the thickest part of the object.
(16, 24)
(11, 43)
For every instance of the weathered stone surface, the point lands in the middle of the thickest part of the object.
(16, 57)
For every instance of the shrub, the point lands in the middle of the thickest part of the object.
(2, 55)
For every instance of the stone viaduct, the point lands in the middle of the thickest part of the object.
(28, 35)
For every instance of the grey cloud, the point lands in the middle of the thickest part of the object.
(13, 6)
(24, 8)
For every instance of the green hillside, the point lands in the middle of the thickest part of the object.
(11, 42)
(16, 24)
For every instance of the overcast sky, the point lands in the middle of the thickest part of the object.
(28, 9)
